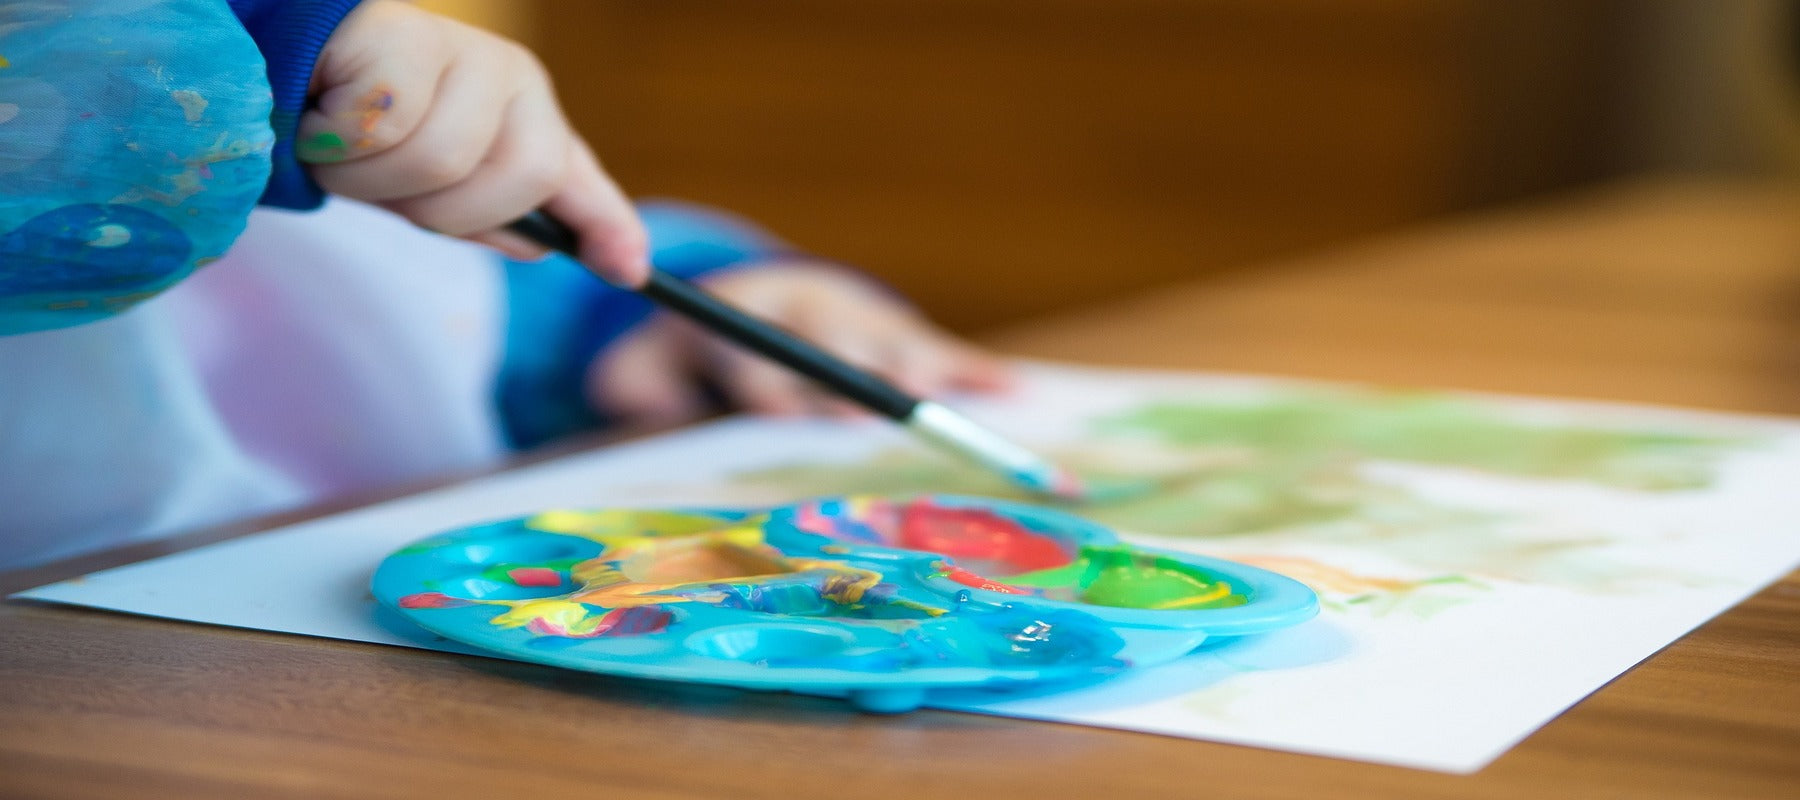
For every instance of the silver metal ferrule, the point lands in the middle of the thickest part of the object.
(953, 431)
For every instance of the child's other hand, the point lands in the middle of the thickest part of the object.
(458, 130)
(654, 376)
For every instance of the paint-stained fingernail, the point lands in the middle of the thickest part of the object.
(374, 105)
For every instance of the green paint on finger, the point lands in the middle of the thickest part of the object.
(324, 147)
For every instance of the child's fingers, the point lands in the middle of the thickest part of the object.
(761, 387)
(645, 379)
(511, 244)
(975, 369)
(917, 357)
(371, 98)
(613, 241)
(527, 165)
(446, 147)
(857, 347)
(363, 118)
(918, 365)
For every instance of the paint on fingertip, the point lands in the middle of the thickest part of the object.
(324, 147)
(370, 109)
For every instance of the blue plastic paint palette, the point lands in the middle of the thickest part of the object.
(879, 600)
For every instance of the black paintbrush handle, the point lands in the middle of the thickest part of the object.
(758, 335)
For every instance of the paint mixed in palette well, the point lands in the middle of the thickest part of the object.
(876, 599)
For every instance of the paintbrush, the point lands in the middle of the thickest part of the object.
(931, 421)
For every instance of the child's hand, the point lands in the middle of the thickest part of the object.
(458, 130)
(654, 376)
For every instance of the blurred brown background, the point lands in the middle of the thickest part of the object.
(997, 159)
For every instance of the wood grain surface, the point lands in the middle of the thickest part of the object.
(1666, 292)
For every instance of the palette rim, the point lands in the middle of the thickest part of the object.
(873, 621)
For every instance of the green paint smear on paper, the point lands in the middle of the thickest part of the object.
(1293, 469)
(1430, 429)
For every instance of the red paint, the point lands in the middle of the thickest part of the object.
(973, 534)
(534, 576)
(636, 621)
(544, 627)
(432, 600)
(970, 579)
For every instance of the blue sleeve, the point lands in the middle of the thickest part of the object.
(290, 34)
(123, 167)
(559, 317)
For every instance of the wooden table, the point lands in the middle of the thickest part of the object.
(1664, 292)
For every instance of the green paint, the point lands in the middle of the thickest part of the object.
(1432, 429)
(323, 147)
(422, 547)
(1123, 577)
(501, 573)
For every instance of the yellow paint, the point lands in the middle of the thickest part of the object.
(562, 617)
(618, 526)
(665, 557)
(1219, 591)
(1325, 578)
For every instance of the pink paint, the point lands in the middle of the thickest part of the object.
(1067, 485)
(534, 576)
(432, 600)
(633, 621)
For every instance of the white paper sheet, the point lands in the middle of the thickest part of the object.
(1484, 562)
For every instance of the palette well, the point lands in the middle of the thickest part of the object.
(878, 600)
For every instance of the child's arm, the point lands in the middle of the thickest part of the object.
(125, 167)
(134, 140)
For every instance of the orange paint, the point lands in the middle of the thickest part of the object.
(686, 562)
(972, 580)
(370, 109)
